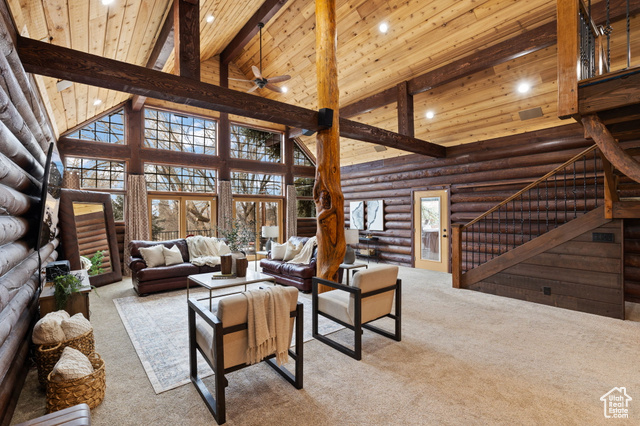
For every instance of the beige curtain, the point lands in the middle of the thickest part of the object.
(292, 212)
(137, 215)
(71, 180)
(225, 205)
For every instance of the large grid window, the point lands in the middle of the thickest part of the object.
(167, 178)
(255, 184)
(109, 129)
(178, 132)
(255, 144)
(300, 158)
(304, 191)
(98, 174)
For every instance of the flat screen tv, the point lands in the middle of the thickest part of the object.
(50, 198)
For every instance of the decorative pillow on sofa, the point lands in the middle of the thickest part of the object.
(75, 326)
(153, 256)
(292, 251)
(172, 256)
(72, 364)
(278, 251)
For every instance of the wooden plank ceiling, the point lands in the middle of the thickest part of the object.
(423, 35)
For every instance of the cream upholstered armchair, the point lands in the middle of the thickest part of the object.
(222, 339)
(370, 297)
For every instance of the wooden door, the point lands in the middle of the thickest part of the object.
(431, 225)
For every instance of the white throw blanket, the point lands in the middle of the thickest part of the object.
(206, 250)
(267, 324)
(304, 257)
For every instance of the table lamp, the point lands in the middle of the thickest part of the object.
(269, 232)
(351, 236)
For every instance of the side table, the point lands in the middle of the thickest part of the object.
(79, 302)
(352, 266)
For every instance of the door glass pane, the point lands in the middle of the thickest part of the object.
(430, 235)
(165, 219)
(246, 214)
(199, 219)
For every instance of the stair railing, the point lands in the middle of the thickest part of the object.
(563, 194)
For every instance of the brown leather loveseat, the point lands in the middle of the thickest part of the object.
(160, 278)
(293, 274)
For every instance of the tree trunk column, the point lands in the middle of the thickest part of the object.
(327, 192)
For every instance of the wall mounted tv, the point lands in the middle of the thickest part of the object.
(50, 197)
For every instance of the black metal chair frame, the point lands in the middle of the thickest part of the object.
(217, 404)
(357, 327)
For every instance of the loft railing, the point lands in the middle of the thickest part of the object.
(589, 54)
(563, 194)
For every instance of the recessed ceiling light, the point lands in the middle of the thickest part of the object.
(210, 18)
(285, 89)
(430, 115)
(524, 87)
(107, 2)
(383, 27)
(97, 102)
(63, 84)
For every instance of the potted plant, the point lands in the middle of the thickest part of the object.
(64, 288)
(237, 237)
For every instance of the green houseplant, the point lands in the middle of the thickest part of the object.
(64, 288)
(238, 236)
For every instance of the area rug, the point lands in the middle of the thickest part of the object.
(157, 326)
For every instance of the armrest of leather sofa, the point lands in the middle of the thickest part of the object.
(136, 263)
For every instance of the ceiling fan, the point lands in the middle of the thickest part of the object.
(260, 81)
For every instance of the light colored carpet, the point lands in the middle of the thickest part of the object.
(157, 326)
(465, 358)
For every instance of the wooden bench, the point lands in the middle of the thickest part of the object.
(78, 415)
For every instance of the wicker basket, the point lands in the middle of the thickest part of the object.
(46, 356)
(88, 389)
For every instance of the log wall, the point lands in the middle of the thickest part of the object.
(479, 175)
(25, 135)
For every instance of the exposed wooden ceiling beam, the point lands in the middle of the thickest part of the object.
(186, 34)
(159, 55)
(268, 9)
(60, 62)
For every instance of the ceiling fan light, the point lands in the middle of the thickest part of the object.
(284, 89)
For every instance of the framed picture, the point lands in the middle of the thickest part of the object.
(356, 215)
(375, 215)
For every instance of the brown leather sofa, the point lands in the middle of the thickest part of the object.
(160, 278)
(290, 273)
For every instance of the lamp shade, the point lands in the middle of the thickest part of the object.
(351, 236)
(270, 231)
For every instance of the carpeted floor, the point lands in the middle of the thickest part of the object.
(465, 358)
(158, 328)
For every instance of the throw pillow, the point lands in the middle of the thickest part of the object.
(223, 248)
(75, 326)
(278, 251)
(72, 364)
(48, 330)
(153, 256)
(292, 251)
(172, 256)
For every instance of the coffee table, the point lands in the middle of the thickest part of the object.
(207, 282)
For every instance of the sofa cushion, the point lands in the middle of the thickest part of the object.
(153, 256)
(278, 251)
(172, 256)
(162, 272)
(292, 251)
(298, 270)
(135, 245)
(271, 265)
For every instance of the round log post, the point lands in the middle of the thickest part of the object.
(327, 192)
